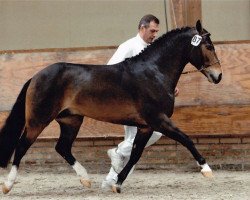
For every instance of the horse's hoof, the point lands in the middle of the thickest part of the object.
(5, 189)
(116, 188)
(207, 174)
(85, 183)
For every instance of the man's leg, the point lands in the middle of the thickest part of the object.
(119, 156)
(110, 179)
(153, 139)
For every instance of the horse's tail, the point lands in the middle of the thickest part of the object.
(13, 128)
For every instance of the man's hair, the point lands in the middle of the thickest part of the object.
(145, 20)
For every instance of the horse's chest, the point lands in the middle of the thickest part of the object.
(161, 102)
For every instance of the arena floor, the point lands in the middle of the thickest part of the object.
(144, 185)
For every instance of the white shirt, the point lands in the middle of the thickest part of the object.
(128, 49)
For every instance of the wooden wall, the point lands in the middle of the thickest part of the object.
(221, 152)
(184, 12)
(202, 108)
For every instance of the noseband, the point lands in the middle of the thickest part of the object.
(203, 67)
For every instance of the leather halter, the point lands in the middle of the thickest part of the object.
(203, 67)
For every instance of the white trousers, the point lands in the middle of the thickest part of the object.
(125, 147)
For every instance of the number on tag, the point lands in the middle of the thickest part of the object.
(196, 40)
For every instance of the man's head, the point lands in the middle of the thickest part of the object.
(148, 28)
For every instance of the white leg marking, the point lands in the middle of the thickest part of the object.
(80, 170)
(206, 170)
(10, 179)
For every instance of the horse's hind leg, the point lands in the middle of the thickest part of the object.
(70, 125)
(27, 139)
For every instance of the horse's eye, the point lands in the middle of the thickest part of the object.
(209, 47)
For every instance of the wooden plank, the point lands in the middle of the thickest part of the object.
(193, 10)
(213, 120)
(177, 13)
(193, 120)
(184, 12)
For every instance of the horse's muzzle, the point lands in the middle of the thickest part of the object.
(217, 79)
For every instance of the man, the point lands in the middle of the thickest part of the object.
(147, 31)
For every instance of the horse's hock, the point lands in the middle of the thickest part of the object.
(216, 117)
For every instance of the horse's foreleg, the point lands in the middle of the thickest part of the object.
(167, 128)
(140, 142)
(70, 126)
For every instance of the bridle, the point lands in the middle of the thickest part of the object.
(204, 66)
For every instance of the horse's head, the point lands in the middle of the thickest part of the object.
(203, 55)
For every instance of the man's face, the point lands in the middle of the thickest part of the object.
(149, 33)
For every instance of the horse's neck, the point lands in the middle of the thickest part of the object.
(173, 58)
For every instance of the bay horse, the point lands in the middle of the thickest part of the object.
(136, 92)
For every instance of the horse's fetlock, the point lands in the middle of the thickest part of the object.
(202, 161)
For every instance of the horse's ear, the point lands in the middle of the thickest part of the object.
(199, 26)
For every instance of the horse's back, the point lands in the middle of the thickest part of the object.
(91, 90)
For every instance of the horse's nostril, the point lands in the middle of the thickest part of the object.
(220, 76)
(218, 79)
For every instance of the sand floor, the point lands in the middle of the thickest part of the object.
(142, 185)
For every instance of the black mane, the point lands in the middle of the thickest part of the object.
(174, 32)
(165, 37)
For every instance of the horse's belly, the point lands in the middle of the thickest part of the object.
(115, 112)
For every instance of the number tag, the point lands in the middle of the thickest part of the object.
(196, 40)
